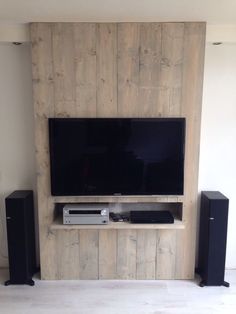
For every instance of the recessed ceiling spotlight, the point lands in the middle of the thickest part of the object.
(217, 43)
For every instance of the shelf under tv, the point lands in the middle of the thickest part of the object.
(120, 199)
(58, 225)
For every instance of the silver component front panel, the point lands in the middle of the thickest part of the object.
(85, 214)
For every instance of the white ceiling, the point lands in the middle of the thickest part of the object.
(212, 11)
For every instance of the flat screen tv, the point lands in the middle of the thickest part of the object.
(117, 156)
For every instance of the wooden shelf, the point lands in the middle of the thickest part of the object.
(58, 225)
(120, 199)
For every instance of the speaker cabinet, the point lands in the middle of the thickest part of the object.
(21, 237)
(212, 238)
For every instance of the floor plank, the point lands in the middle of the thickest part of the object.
(116, 296)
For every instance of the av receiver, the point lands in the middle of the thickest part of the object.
(85, 214)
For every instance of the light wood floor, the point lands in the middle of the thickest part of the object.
(110, 297)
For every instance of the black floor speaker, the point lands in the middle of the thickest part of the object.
(212, 238)
(21, 237)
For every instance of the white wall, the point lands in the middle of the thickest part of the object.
(218, 132)
(16, 32)
(17, 166)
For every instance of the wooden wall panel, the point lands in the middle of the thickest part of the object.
(166, 254)
(172, 50)
(194, 48)
(64, 69)
(128, 69)
(117, 70)
(43, 92)
(67, 247)
(126, 254)
(149, 70)
(106, 48)
(88, 254)
(107, 254)
(146, 254)
(86, 74)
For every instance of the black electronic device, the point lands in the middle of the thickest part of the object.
(21, 237)
(212, 238)
(117, 156)
(151, 216)
(119, 217)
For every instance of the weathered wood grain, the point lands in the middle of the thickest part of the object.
(120, 70)
(172, 51)
(194, 49)
(149, 69)
(166, 254)
(106, 48)
(67, 247)
(64, 69)
(43, 93)
(57, 225)
(128, 69)
(107, 254)
(120, 199)
(88, 254)
(86, 73)
(126, 254)
(146, 254)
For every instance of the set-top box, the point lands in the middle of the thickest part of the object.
(85, 214)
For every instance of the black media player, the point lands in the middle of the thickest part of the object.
(157, 216)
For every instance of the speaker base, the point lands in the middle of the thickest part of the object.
(29, 282)
(7, 283)
(224, 283)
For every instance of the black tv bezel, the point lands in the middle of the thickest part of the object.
(51, 153)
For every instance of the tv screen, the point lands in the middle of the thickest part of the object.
(116, 156)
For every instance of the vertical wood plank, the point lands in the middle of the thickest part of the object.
(42, 69)
(166, 254)
(146, 254)
(43, 95)
(128, 69)
(67, 247)
(64, 69)
(48, 254)
(86, 77)
(170, 97)
(107, 254)
(150, 58)
(88, 252)
(126, 254)
(194, 49)
(106, 48)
